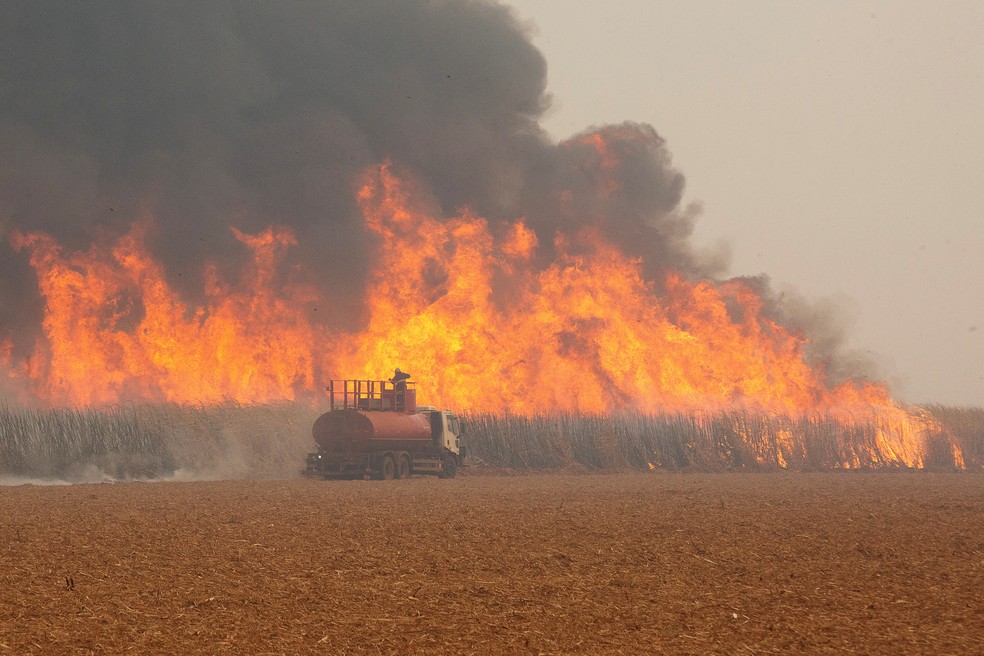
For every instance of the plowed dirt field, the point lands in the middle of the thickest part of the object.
(557, 564)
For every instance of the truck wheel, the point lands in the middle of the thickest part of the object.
(403, 469)
(389, 468)
(450, 467)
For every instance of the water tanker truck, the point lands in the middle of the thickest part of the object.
(375, 429)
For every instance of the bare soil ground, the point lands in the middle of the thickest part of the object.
(590, 564)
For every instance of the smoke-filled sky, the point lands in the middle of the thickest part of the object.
(836, 146)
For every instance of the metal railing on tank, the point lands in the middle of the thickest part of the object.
(367, 395)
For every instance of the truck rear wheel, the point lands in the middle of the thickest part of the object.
(450, 467)
(403, 468)
(388, 470)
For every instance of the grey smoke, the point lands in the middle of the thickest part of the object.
(220, 113)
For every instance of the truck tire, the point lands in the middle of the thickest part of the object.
(388, 469)
(403, 467)
(450, 467)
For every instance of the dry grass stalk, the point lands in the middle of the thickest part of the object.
(232, 440)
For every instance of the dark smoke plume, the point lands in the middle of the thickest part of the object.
(214, 114)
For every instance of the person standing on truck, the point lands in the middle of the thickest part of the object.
(399, 381)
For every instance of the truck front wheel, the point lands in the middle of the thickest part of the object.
(450, 467)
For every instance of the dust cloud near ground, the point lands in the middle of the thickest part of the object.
(574, 564)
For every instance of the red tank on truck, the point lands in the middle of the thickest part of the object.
(376, 430)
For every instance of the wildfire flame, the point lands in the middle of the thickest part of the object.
(116, 330)
(458, 302)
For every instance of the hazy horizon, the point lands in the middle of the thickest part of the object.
(836, 147)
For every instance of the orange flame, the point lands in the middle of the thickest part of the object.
(457, 302)
(116, 330)
(586, 333)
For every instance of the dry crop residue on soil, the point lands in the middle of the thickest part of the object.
(591, 564)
